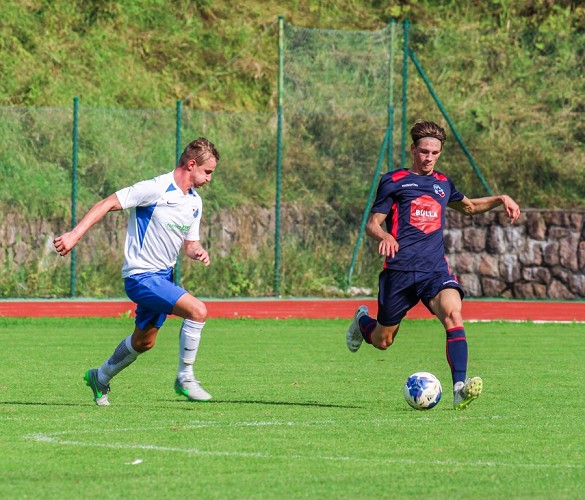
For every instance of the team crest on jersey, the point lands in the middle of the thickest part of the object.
(195, 213)
(439, 190)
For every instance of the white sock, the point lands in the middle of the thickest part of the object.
(189, 338)
(122, 357)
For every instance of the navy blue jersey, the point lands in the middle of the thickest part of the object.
(415, 207)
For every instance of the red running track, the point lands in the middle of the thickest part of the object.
(302, 308)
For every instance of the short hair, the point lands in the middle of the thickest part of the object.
(427, 129)
(200, 150)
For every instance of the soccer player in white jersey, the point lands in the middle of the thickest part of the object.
(165, 213)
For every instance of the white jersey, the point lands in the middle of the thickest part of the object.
(161, 218)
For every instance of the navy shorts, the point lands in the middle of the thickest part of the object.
(400, 291)
(155, 295)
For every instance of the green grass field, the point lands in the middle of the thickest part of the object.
(294, 414)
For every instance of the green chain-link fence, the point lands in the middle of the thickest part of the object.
(291, 228)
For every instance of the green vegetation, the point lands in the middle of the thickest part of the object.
(294, 414)
(510, 74)
(149, 53)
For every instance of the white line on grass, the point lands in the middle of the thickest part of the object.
(53, 438)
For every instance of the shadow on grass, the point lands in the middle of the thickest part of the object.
(271, 403)
(37, 403)
(216, 401)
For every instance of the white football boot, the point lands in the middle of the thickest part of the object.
(192, 390)
(466, 392)
(354, 337)
(100, 391)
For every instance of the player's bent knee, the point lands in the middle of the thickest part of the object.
(383, 337)
(198, 312)
(453, 320)
(189, 307)
(382, 343)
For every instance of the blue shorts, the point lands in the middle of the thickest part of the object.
(155, 295)
(400, 291)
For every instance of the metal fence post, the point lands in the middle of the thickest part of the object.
(278, 157)
(178, 151)
(75, 140)
(390, 160)
(404, 94)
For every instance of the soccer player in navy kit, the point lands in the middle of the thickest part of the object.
(165, 213)
(411, 203)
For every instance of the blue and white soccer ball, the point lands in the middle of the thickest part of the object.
(422, 390)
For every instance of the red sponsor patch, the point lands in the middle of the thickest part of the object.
(425, 214)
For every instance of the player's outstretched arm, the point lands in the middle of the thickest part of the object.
(65, 242)
(480, 205)
(195, 251)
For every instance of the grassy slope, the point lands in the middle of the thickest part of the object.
(519, 112)
(148, 54)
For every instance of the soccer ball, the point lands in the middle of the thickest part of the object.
(422, 390)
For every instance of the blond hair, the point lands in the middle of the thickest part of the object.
(200, 150)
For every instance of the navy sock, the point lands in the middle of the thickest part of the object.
(367, 326)
(457, 353)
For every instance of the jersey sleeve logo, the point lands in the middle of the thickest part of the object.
(425, 214)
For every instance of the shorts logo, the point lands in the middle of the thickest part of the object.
(439, 190)
(425, 214)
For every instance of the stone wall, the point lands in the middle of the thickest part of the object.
(541, 256)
